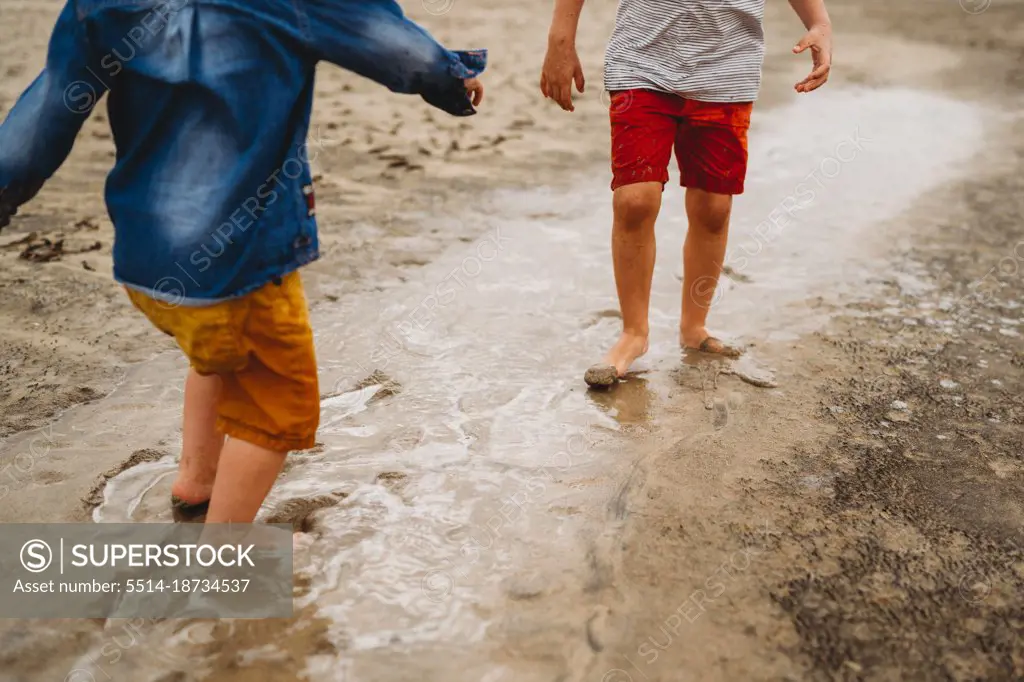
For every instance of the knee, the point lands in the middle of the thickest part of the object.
(636, 206)
(715, 225)
(709, 213)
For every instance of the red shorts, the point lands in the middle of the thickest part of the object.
(710, 139)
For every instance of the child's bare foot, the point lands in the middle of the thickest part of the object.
(699, 339)
(616, 363)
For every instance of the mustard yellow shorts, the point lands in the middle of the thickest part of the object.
(261, 345)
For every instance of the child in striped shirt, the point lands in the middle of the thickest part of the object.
(682, 75)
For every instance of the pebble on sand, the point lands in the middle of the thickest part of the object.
(898, 405)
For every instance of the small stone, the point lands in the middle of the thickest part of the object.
(949, 384)
(898, 405)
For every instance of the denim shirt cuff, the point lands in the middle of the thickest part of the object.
(453, 98)
(468, 63)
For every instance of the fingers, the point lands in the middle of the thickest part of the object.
(820, 72)
(816, 78)
(558, 92)
(552, 90)
(814, 75)
(475, 90)
(563, 95)
(814, 81)
(562, 92)
(822, 63)
(811, 85)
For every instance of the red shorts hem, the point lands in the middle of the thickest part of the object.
(713, 185)
(635, 179)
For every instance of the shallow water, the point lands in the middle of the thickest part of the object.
(494, 454)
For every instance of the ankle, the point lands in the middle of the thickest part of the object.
(685, 328)
(636, 333)
(195, 479)
(693, 334)
(191, 492)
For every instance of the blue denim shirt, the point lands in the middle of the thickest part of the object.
(209, 103)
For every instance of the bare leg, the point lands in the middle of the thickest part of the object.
(247, 472)
(633, 249)
(703, 256)
(201, 441)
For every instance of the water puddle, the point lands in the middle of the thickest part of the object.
(473, 459)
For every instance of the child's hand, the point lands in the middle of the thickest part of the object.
(475, 90)
(819, 39)
(561, 68)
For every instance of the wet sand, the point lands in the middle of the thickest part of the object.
(867, 525)
(859, 522)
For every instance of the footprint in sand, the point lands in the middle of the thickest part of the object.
(392, 480)
(750, 371)
(385, 385)
(298, 511)
(745, 368)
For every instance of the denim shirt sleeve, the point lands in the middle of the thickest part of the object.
(40, 130)
(374, 39)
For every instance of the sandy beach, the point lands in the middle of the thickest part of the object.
(859, 521)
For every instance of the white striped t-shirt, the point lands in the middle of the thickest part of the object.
(708, 50)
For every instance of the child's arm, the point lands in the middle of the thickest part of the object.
(41, 128)
(818, 38)
(561, 63)
(374, 39)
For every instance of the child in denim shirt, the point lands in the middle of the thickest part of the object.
(209, 103)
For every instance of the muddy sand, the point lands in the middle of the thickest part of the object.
(472, 512)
